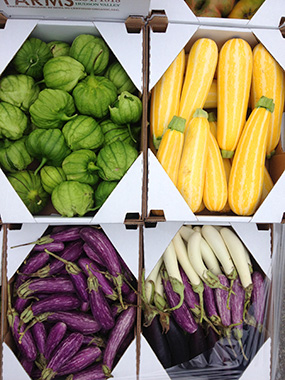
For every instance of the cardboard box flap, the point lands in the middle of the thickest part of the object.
(74, 9)
(277, 50)
(163, 195)
(126, 197)
(128, 50)
(128, 360)
(12, 37)
(175, 38)
(12, 366)
(176, 11)
(269, 14)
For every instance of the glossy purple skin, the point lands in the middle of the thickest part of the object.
(57, 302)
(67, 348)
(93, 372)
(92, 254)
(221, 297)
(55, 246)
(21, 304)
(71, 253)
(36, 261)
(27, 347)
(209, 301)
(40, 336)
(76, 321)
(27, 365)
(258, 297)
(54, 337)
(101, 309)
(80, 284)
(68, 234)
(99, 242)
(124, 324)
(105, 284)
(49, 285)
(82, 359)
(191, 298)
(182, 315)
(237, 303)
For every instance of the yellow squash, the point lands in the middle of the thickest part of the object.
(267, 185)
(227, 166)
(233, 86)
(200, 70)
(191, 174)
(170, 147)
(165, 98)
(212, 118)
(215, 189)
(211, 101)
(268, 79)
(247, 172)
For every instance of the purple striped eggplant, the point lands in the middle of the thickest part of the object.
(71, 252)
(92, 254)
(34, 262)
(182, 315)
(49, 285)
(66, 235)
(99, 242)
(124, 324)
(94, 372)
(107, 288)
(99, 305)
(24, 340)
(93, 340)
(210, 305)
(221, 297)
(237, 301)
(258, 298)
(20, 304)
(75, 320)
(40, 335)
(54, 337)
(27, 365)
(77, 277)
(82, 359)
(57, 302)
(191, 298)
(66, 350)
(55, 246)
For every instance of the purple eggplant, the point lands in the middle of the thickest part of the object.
(27, 365)
(124, 324)
(99, 242)
(158, 342)
(191, 298)
(99, 305)
(54, 337)
(56, 246)
(24, 341)
(40, 336)
(178, 342)
(92, 254)
(65, 351)
(221, 297)
(93, 340)
(57, 302)
(66, 235)
(85, 306)
(82, 359)
(71, 252)
(77, 277)
(107, 288)
(258, 298)
(75, 320)
(210, 305)
(49, 285)
(20, 304)
(94, 372)
(182, 315)
(34, 262)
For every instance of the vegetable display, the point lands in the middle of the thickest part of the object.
(69, 324)
(205, 317)
(227, 169)
(69, 116)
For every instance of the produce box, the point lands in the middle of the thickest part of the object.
(20, 246)
(213, 360)
(267, 13)
(163, 196)
(65, 22)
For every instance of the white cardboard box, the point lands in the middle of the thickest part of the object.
(126, 241)
(65, 22)
(160, 188)
(258, 242)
